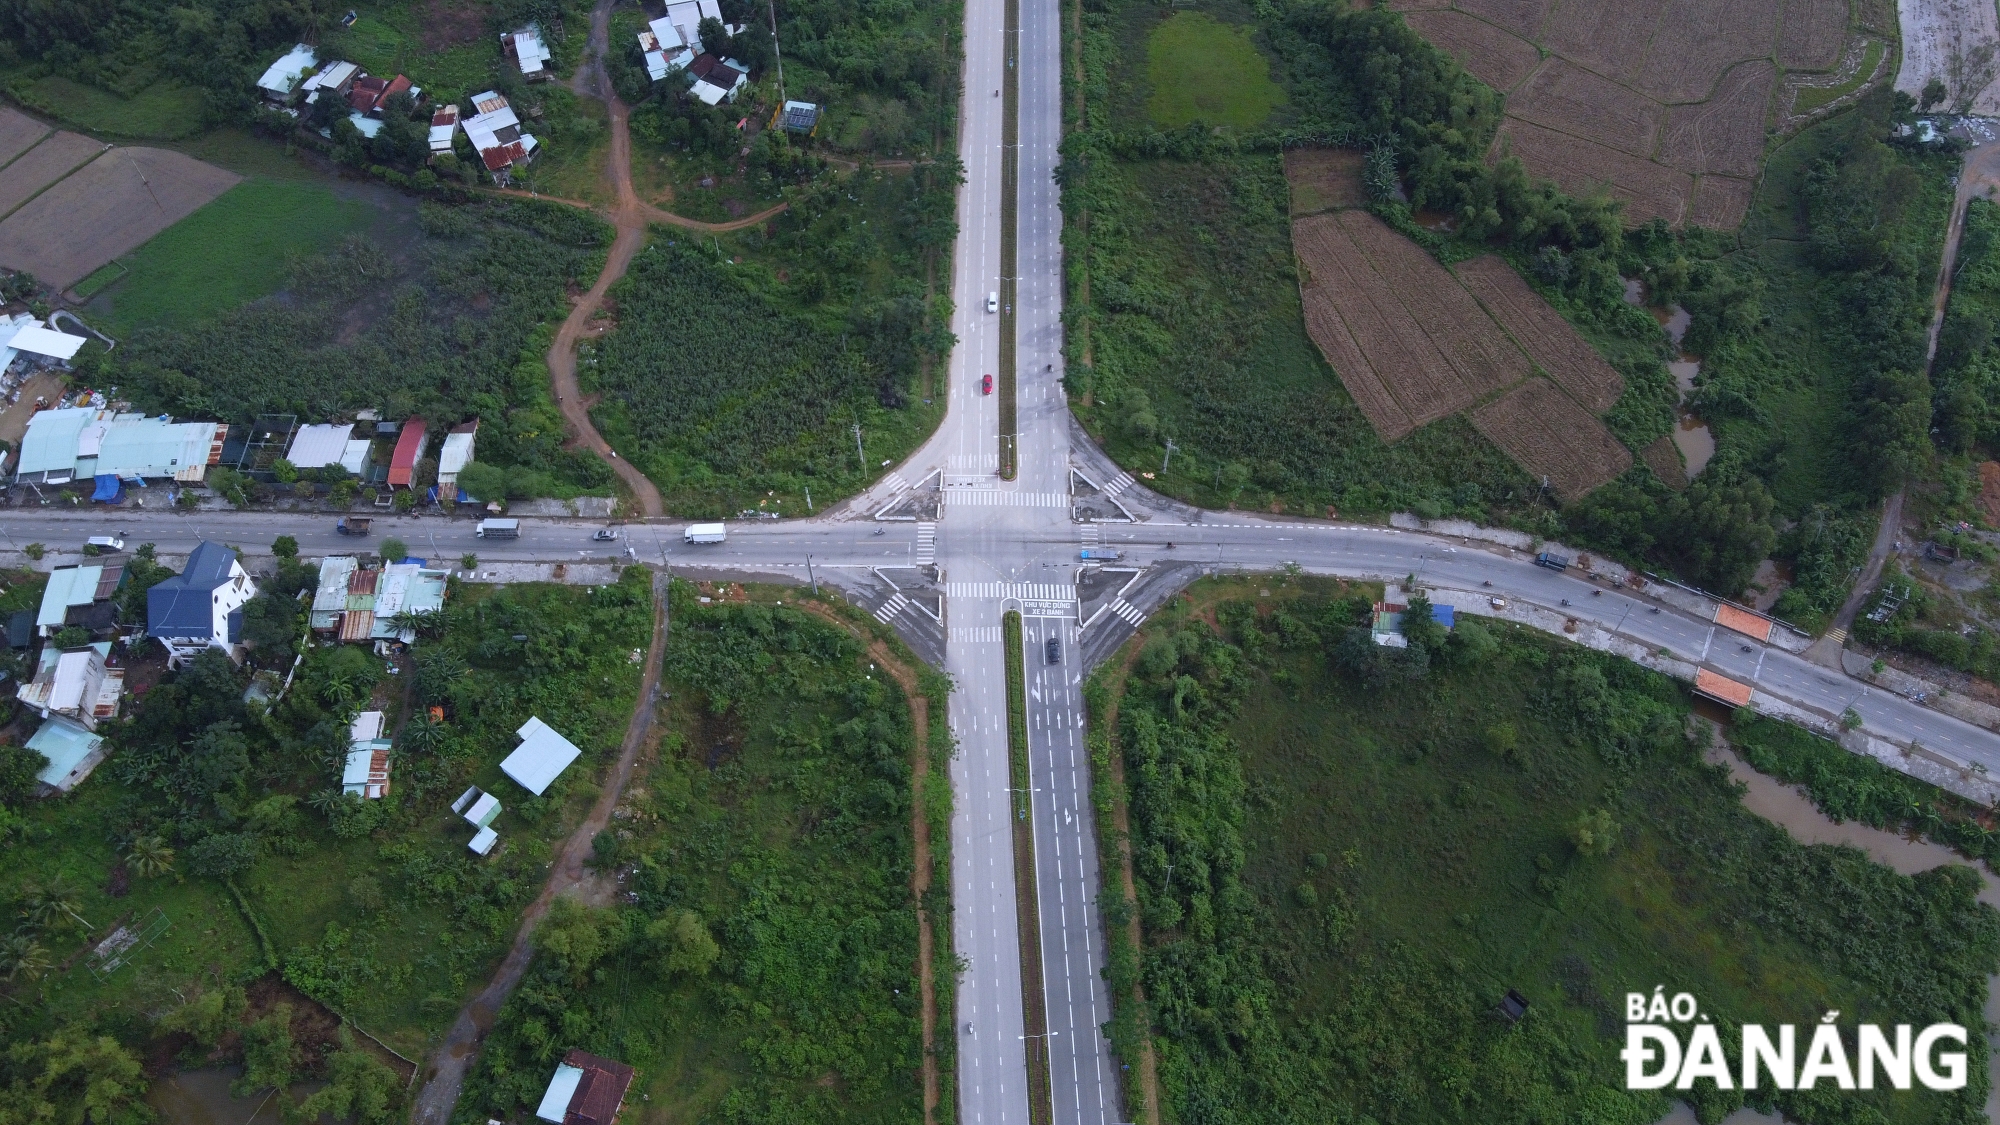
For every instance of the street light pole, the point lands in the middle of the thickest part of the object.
(809, 576)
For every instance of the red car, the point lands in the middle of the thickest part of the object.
(986, 384)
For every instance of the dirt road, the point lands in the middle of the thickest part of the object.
(454, 1056)
(630, 216)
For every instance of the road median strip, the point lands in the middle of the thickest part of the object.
(1027, 914)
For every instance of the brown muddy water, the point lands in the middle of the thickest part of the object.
(1691, 434)
(1791, 809)
(202, 1097)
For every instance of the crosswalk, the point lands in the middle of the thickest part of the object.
(1128, 611)
(1837, 636)
(973, 462)
(894, 482)
(896, 604)
(1089, 534)
(975, 634)
(1118, 484)
(993, 497)
(1026, 591)
(926, 543)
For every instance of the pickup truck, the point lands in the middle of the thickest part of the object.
(1552, 561)
(352, 525)
(1105, 553)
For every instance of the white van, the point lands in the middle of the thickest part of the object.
(993, 302)
(704, 533)
(106, 542)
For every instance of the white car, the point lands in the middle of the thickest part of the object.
(106, 542)
(993, 302)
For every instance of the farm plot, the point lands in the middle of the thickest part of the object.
(1522, 17)
(18, 133)
(1957, 42)
(1699, 39)
(111, 206)
(1491, 55)
(1725, 133)
(1543, 333)
(1581, 167)
(1720, 202)
(56, 157)
(1480, 355)
(1608, 36)
(1810, 33)
(1551, 436)
(1322, 179)
(1569, 99)
(1664, 457)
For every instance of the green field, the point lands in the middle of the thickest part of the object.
(765, 969)
(389, 39)
(164, 110)
(1812, 97)
(1370, 846)
(1202, 69)
(235, 250)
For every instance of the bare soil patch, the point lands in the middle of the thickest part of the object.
(1720, 203)
(1810, 33)
(1522, 17)
(110, 207)
(1341, 314)
(451, 23)
(56, 157)
(1725, 133)
(1549, 435)
(1543, 333)
(1989, 492)
(18, 133)
(1569, 99)
(1482, 356)
(1583, 167)
(1323, 179)
(1664, 457)
(1957, 42)
(1699, 39)
(1608, 36)
(1488, 53)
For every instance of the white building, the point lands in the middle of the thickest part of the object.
(202, 606)
(281, 81)
(456, 454)
(79, 442)
(526, 48)
(495, 131)
(316, 447)
(541, 757)
(76, 684)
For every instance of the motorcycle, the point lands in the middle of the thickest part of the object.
(1565, 601)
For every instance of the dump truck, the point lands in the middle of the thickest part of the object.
(704, 533)
(352, 525)
(499, 529)
(1552, 561)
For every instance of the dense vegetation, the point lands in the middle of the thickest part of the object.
(740, 364)
(1335, 896)
(451, 325)
(226, 816)
(765, 967)
(1185, 295)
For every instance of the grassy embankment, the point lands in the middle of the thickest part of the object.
(375, 909)
(1335, 894)
(766, 965)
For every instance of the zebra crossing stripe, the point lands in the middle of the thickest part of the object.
(926, 543)
(895, 605)
(995, 498)
(1129, 612)
(1026, 591)
(976, 634)
(1118, 484)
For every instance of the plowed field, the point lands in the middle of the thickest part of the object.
(1551, 436)
(18, 132)
(1720, 203)
(1548, 338)
(56, 157)
(1323, 178)
(1641, 98)
(109, 207)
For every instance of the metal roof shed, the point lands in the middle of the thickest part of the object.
(46, 341)
(541, 757)
(72, 752)
(68, 586)
(457, 452)
(283, 76)
(320, 445)
(48, 449)
(409, 447)
(330, 600)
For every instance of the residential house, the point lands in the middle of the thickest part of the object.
(444, 122)
(586, 1090)
(796, 117)
(528, 51)
(480, 810)
(318, 446)
(370, 94)
(717, 80)
(76, 683)
(78, 442)
(80, 595)
(409, 449)
(72, 749)
(334, 79)
(455, 455)
(367, 772)
(405, 590)
(201, 607)
(495, 132)
(280, 83)
(541, 757)
(369, 605)
(330, 599)
(673, 41)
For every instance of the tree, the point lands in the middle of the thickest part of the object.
(149, 856)
(55, 904)
(393, 549)
(285, 473)
(285, 546)
(268, 1053)
(69, 637)
(20, 773)
(207, 1015)
(74, 1077)
(577, 936)
(360, 1088)
(714, 37)
(223, 855)
(682, 943)
(1933, 96)
(423, 735)
(484, 483)
(22, 956)
(1502, 740)
(1594, 833)
(1420, 625)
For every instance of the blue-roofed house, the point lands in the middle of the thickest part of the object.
(202, 606)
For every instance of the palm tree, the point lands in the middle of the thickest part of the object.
(324, 801)
(42, 907)
(150, 856)
(21, 954)
(337, 691)
(423, 734)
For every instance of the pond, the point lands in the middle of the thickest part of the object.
(1691, 434)
(202, 1097)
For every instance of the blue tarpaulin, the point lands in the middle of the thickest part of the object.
(107, 489)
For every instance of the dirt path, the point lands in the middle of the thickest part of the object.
(454, 1056)
(629, 216)
(920, 832)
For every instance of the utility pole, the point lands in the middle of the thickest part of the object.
(859, 457)
(809, 498)
(809, 576)
(777, 52)
(1170, 455)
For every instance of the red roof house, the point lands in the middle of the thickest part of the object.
(409, 447)
(587, 1090)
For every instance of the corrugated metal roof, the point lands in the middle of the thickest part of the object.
(541, 757)
(65, 744)
(330, 600)
(111, 576)
(50, 443)
(45, 341)
(409, 447)
(284, 74)
(555, 1102)
(68, 586)
(356, 625)
(367, 725)
(363, 583)
(151, 447)
(319, 445)
(456, 452)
